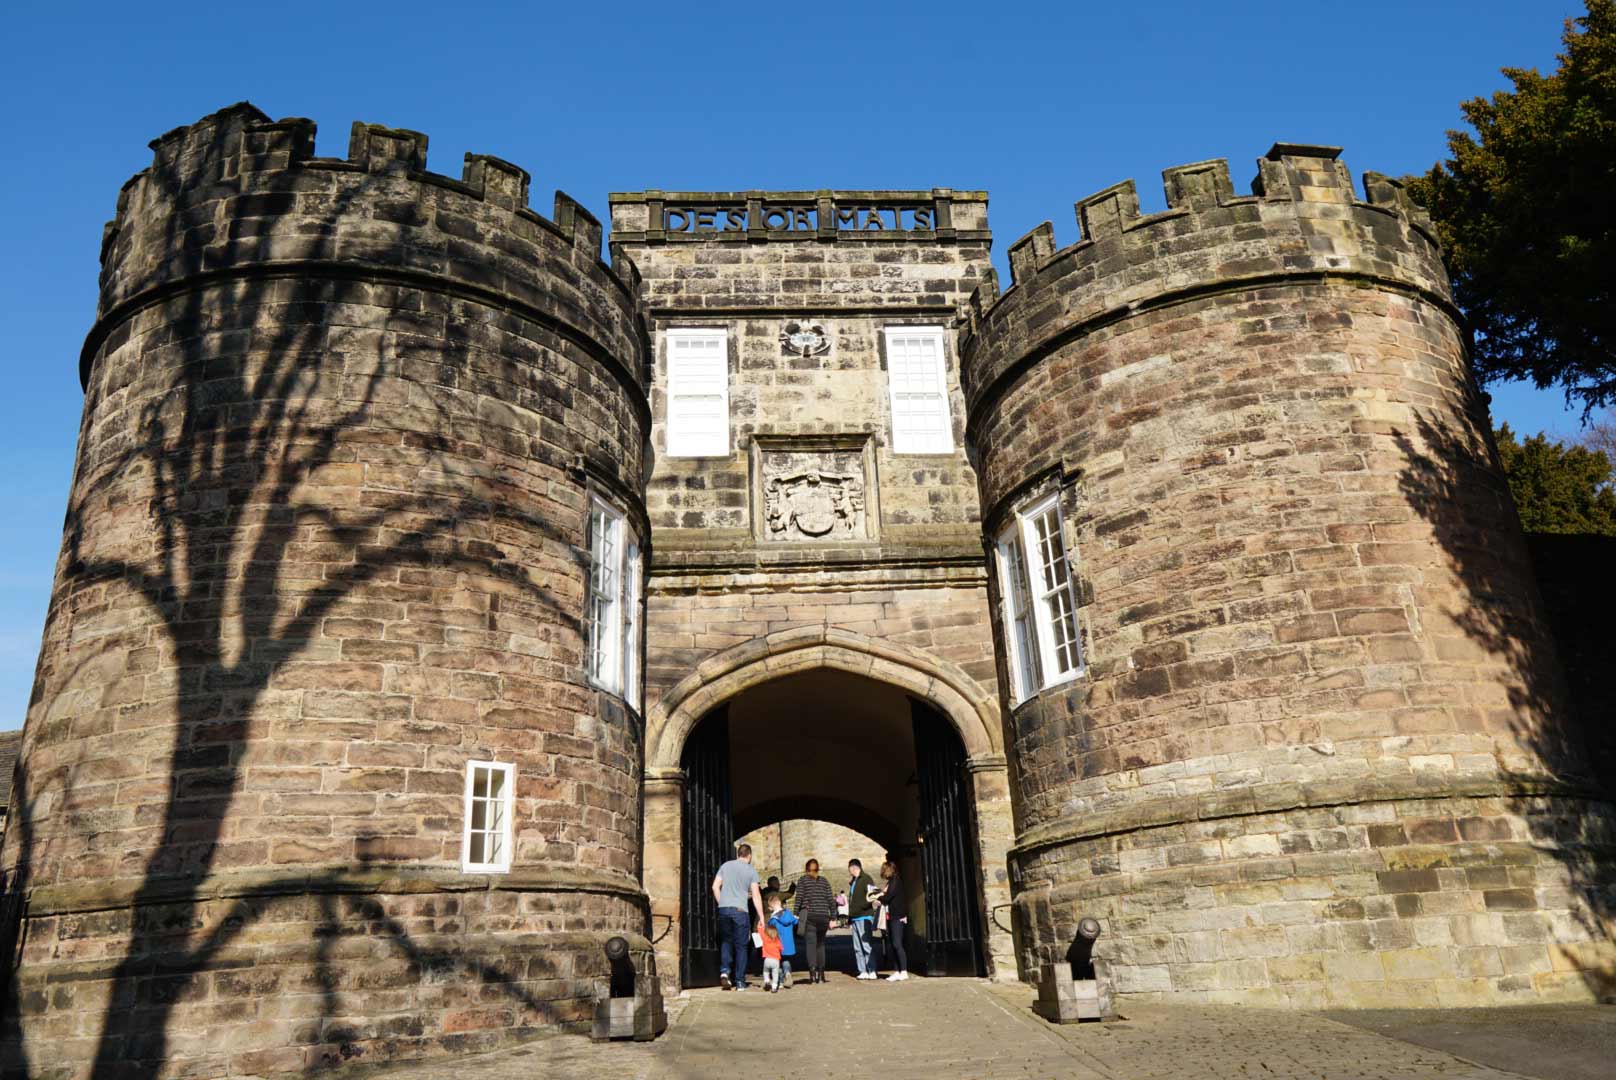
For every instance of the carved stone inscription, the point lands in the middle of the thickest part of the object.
(813, 495)
(805, 218)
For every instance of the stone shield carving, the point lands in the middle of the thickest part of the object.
(814, 488)
(815, 505)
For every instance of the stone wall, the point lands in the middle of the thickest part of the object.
(10, 743)
(782, 849)
(326, 543)
(1318, 755)
(723, 583)
(850, 285)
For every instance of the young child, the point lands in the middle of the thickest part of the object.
(785, 924)
(771, 958)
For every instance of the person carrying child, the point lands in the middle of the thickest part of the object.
(784, 924)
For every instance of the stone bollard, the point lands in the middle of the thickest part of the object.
(1070, 990)
(628, 1004)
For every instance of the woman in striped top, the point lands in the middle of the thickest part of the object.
(815, 904)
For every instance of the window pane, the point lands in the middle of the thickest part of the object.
(698, 395)
(601, 660)
(488, 817)
(1063, 627)
(1057, 612)
(918, 389)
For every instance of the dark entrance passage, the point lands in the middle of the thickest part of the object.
(838, 747)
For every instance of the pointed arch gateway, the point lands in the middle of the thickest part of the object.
(880, 694)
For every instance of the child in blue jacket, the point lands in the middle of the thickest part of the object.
(785, 924)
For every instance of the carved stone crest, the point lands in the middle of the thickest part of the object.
(814, 488)
(804, 339)
(816, 504)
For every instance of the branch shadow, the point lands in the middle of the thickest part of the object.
(266, 391)
(1453, 479)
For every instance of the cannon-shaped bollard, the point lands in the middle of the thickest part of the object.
(628, 1003)
(1070, 990)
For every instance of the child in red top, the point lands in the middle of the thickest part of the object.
(771, 958)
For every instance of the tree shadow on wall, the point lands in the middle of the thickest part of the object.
(1453, 481)
(249, 464)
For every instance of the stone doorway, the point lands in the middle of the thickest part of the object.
(840, 747)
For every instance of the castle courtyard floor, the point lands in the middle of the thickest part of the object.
(948, 1028)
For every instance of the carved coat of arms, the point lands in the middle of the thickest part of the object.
(816, 504)
(804, 339)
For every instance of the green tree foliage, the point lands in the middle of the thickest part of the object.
(1525, 209)
(1558, 488)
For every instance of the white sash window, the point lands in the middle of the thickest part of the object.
(605, 659)
(917, 381)
(698, 393)
(486, 842)
(1040, 606)
(616, 588)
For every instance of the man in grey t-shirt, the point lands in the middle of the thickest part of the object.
(734, 885)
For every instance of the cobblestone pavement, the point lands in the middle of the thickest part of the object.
(1566, 1042)
(966, 1029)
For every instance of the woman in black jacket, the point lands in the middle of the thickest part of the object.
(896, 906)
(815, 904)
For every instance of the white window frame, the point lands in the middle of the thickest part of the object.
(904, 391)
(506, 801)
(603, 657)
(633, 578)
(1029, 553)
(1016, 606)
(683, 385)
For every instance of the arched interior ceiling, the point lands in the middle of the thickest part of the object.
(825, 736)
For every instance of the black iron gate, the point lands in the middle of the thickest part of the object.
(709, 839)
(947, 840)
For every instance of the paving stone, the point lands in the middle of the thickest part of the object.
(962, 1028)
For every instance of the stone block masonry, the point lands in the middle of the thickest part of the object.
(1319, 754)
(327, 544)
(734, 580)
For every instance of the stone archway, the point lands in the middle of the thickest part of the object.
(970, 711)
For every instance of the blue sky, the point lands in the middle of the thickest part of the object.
(1040, 104)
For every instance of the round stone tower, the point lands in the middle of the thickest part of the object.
(352, 434)
(1312, 751)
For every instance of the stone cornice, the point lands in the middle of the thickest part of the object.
(46, 900)
(1279, 798)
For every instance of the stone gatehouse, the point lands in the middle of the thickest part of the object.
(437, 600)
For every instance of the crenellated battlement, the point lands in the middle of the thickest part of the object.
(1303, 217)
(237, 192)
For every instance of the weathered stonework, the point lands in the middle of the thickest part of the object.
(783, 849)
(1319, 754)
(326, 544)
(814, 489)
(812, 524)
